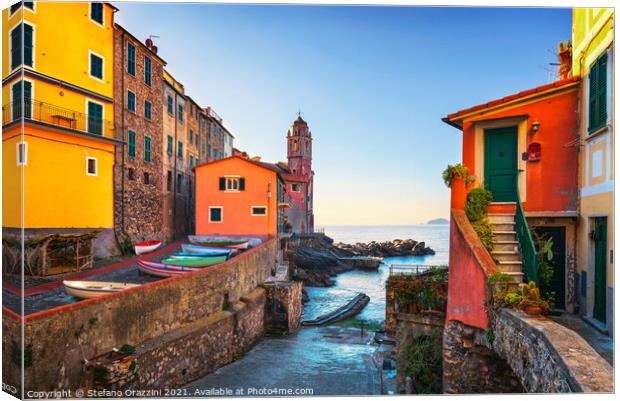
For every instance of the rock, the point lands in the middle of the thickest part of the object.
(397, 247)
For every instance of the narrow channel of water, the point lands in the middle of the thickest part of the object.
(323, 300)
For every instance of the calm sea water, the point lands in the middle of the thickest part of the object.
(323, 300)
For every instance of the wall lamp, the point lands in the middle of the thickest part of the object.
(535, 126)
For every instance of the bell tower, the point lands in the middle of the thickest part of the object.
(300, 182)
(299, 148)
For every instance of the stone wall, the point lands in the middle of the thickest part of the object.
(470, 366)
(548, 357)
(62, 338)
(137, 182)
(283, 308)
(201, 347)
(11, 343)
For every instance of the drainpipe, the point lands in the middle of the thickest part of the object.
(123, 132)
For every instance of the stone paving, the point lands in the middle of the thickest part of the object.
(601, 343)
(328, 360)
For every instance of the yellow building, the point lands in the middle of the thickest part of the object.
(592, 60)
(57, 113)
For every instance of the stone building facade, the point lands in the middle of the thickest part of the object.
(138, 89)
(216, 134)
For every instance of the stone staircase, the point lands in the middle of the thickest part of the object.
(506, 251)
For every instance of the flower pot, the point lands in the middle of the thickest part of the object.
(532, 310)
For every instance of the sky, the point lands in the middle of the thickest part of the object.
(372, 82)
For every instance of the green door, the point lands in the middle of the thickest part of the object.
(600, 269)
(500, 163)
(557, 283)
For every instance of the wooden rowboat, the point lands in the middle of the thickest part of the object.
(224, 244)
(197, 239)
(94, 289)
(163, 270)
(195, 262)
(205, 249)
(223, 252)
(146, 246)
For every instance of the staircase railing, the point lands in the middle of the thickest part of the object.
(529, 254)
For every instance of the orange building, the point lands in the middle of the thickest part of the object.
(524, 149)
(238, 196)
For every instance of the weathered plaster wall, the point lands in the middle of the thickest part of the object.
(283, 307)
(548, 357)
(61, 338)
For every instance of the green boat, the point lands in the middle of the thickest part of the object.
(195, 262)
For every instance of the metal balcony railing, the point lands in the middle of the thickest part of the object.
(35, 110)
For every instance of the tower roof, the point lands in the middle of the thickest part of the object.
(299, 120)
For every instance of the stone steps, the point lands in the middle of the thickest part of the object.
(506, 251)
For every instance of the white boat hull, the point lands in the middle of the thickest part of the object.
(94, 289)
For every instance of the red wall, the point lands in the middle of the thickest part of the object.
(552, 181)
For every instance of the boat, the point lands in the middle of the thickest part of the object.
(224, 244)
(205, 249)
(252, 241)
(195, 262)
(94, 289)
(163, 270)
(146, 246)
(220, 252)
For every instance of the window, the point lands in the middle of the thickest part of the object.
(180, 113)
(17, 89)
(169, 150)
(22, 153)
(597, 97)
(27, 4)
(96, 12)
(233, 184)
(96, 66)
(169, 181)
(191, 136)
(180, 150)
(130, 174)
(131, 143)
(131, 101)
(147, 148)
(147, 70)
(16, 45)
(295, 187)
(147, 109)
(215, 214)
(170, 106)
(191, 161)
(91, 166)
(197, 141)
(259, 210)
(131, 58)
(179, 182)
(147, 178)
(95, 118)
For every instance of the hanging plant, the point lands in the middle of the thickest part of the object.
(455, 171)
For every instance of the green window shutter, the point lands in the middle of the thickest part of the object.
(180, 150)
(241, 184)
(147, 70)
(170, 145)
(597, 97)
(28, 45)
(95, 118)
(16, 46)
(147, 149)
(222, 184)
(131, 58)
(131, 147)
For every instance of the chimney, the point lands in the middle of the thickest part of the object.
(565, 58)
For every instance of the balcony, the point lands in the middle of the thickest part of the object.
(49, 114)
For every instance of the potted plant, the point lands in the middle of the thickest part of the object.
(531, 301)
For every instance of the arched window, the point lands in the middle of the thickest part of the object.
(295, 146)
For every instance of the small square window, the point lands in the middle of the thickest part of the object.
(96, 12)
(259, 210)
(131, 174)
(91, 166)
(96, 66)
(131, 101)
(147, 110)
(215, 214)
(22, 153)
(147, 178)
(295, 187)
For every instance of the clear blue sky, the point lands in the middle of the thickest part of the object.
(372, 82)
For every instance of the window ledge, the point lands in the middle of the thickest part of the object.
(598, 132)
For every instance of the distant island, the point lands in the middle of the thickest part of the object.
(440, 220)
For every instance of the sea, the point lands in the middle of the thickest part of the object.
(348, 284)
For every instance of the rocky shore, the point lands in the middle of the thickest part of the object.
(397, 247)
(317, 258)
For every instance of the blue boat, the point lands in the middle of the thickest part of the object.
(205, 250)
(224, 252)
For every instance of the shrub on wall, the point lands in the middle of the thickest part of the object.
(483, 229)
(454, 171)
(478, 200)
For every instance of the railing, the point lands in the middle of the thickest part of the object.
(529, 254)
(48, 113)
(407, 270)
